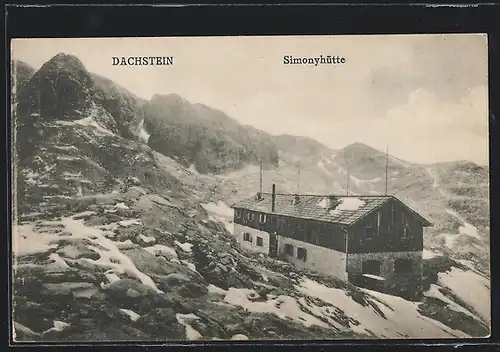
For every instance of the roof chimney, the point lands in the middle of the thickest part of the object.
(296, 199)
(273, 198)
(331, 202)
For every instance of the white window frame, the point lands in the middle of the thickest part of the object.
(247, 234)
(406, 231)
(262, 218)
(305, 252)
(257, 241)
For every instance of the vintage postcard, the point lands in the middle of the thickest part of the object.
(250, 188)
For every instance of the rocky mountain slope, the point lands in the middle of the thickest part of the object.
(113, 240)
(206, 138)
(122, 105)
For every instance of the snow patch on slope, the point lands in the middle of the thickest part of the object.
(401, 316)
(466, 228)
(282, 306)
(193, 170)
(470, 287)
(186, 320)
(186, 247)
(434, 292)
(88, 121)
(162, 250)
(28, 241)
(142, 133)
(220, 212)
(132, 315)
(427, 254)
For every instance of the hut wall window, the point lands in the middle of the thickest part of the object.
(316, 236)
(305, 236)
(302, 253)
(406, 231)
(260, 241)
(262, 218)
(288, 249)
(371, 267)
(273, 219)
(313, 237)
(247, 237)
(403, 266)
(370, 232)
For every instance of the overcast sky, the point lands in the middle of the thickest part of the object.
(425, 96)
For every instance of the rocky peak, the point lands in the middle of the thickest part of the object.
(172, 97)
(170, 101)
(359, 153)
(64, 62)
(360, 149)
(61, 89)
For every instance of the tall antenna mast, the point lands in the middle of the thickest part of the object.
(347, 181)
(386, 166)
(298, 178)
(260, 175)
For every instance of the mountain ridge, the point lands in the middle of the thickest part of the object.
(21, 74)
(107, 86)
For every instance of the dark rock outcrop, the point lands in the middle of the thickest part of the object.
(62, 89)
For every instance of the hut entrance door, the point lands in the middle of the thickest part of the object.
(273, 245)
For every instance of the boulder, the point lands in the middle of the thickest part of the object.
(76, 251)
(32, 314)
(162, 324)
(131, 294)
(192, 289)
(208, 326)
(118, 288)
(66, 288)
(239, 337)
(150, 264)
(24, 334)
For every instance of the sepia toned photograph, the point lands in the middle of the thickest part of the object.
(250, 188)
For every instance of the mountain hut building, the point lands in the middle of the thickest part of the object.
(369, 241)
